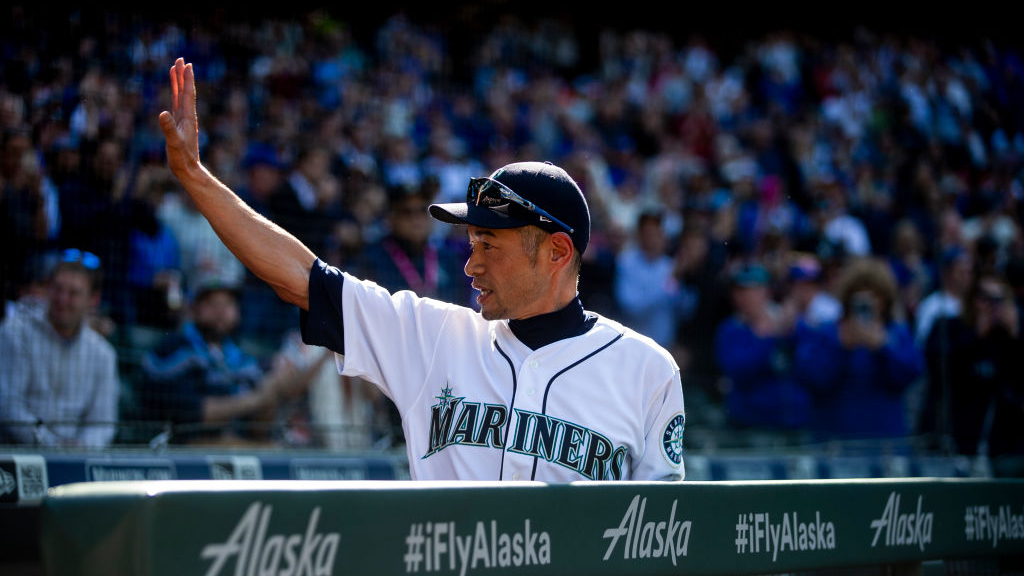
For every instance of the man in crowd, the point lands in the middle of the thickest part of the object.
(58, 376)
(204, 384)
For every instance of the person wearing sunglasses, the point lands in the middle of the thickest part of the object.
(530, 387)
(58, 376)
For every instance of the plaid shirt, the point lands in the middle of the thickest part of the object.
(54, 391)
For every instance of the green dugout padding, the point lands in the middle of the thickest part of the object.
(296, 528)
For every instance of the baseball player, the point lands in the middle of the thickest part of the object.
(531, 387)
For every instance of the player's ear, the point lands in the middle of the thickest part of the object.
(561, 249)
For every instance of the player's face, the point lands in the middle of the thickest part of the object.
(510, 282)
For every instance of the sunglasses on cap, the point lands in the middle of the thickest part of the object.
(493, 193)
(87, 259)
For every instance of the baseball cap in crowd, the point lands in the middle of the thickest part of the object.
(750, 275)
(209, 283)
(805, 268)
(259, 154)
(523, 194)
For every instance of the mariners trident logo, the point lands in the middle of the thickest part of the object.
(672, 439)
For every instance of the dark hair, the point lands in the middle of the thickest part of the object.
(532, 236)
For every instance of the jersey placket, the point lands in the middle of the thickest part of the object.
(529, 396)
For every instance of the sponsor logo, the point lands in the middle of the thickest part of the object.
(235, 468)
(258, 553)
(328, 472)
(23, 479)
(672, 439)
(981, 524)
(455, 422)
(8, 485)
(903, 528)
(129, 470)
(656, 538)
(438, 546)
(756, 533)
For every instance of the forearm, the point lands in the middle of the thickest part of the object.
(270, 252)
(266, 249)
(227, 408)
(26, 427)
(297, 381)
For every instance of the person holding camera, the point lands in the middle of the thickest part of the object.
(859, 367)
(976, 379)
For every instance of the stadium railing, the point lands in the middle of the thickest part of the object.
(887, 526)
(26, 477)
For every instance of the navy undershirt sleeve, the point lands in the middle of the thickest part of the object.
(322, 324)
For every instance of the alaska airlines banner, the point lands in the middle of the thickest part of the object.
(296, 528)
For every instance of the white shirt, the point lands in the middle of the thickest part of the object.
(69, 387)
(938, 304)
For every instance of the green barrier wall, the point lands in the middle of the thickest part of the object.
(299, 528)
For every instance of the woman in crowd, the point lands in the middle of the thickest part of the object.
(859, 367)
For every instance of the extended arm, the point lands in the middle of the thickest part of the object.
(263, 247)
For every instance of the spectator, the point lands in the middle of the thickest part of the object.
(32, 294)
(811, 303)
(95, 221)
(770, 213)
(208, 388)
(955, 273)
(859, 367)
(700, 261)
(58, 377)
(309, 202)
(263, 175)
(647, 288)
(202, 252)
(837, 224)
(977, 381)
(914, 275)
(408, 259)
(22, 208)
(754, 350)
(154, 280)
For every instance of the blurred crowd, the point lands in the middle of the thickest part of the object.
(825, 231)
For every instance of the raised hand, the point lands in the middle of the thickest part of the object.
(181, 124)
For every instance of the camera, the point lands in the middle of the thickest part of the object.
(862, 308)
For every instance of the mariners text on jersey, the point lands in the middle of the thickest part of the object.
(454, 421)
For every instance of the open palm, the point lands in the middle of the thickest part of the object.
(180, 124)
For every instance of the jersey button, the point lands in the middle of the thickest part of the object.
(534, 364)
(529, 391)
(515, 476)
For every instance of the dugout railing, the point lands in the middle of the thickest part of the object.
(213, 528)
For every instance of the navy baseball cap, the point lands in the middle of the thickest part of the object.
(523, 194)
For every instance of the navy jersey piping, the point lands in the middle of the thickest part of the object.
(511, 408)
(544, 404)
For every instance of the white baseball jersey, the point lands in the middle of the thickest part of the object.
(478, 404)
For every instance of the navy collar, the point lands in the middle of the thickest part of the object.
(539, 331)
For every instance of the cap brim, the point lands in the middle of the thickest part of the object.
(466, 213)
